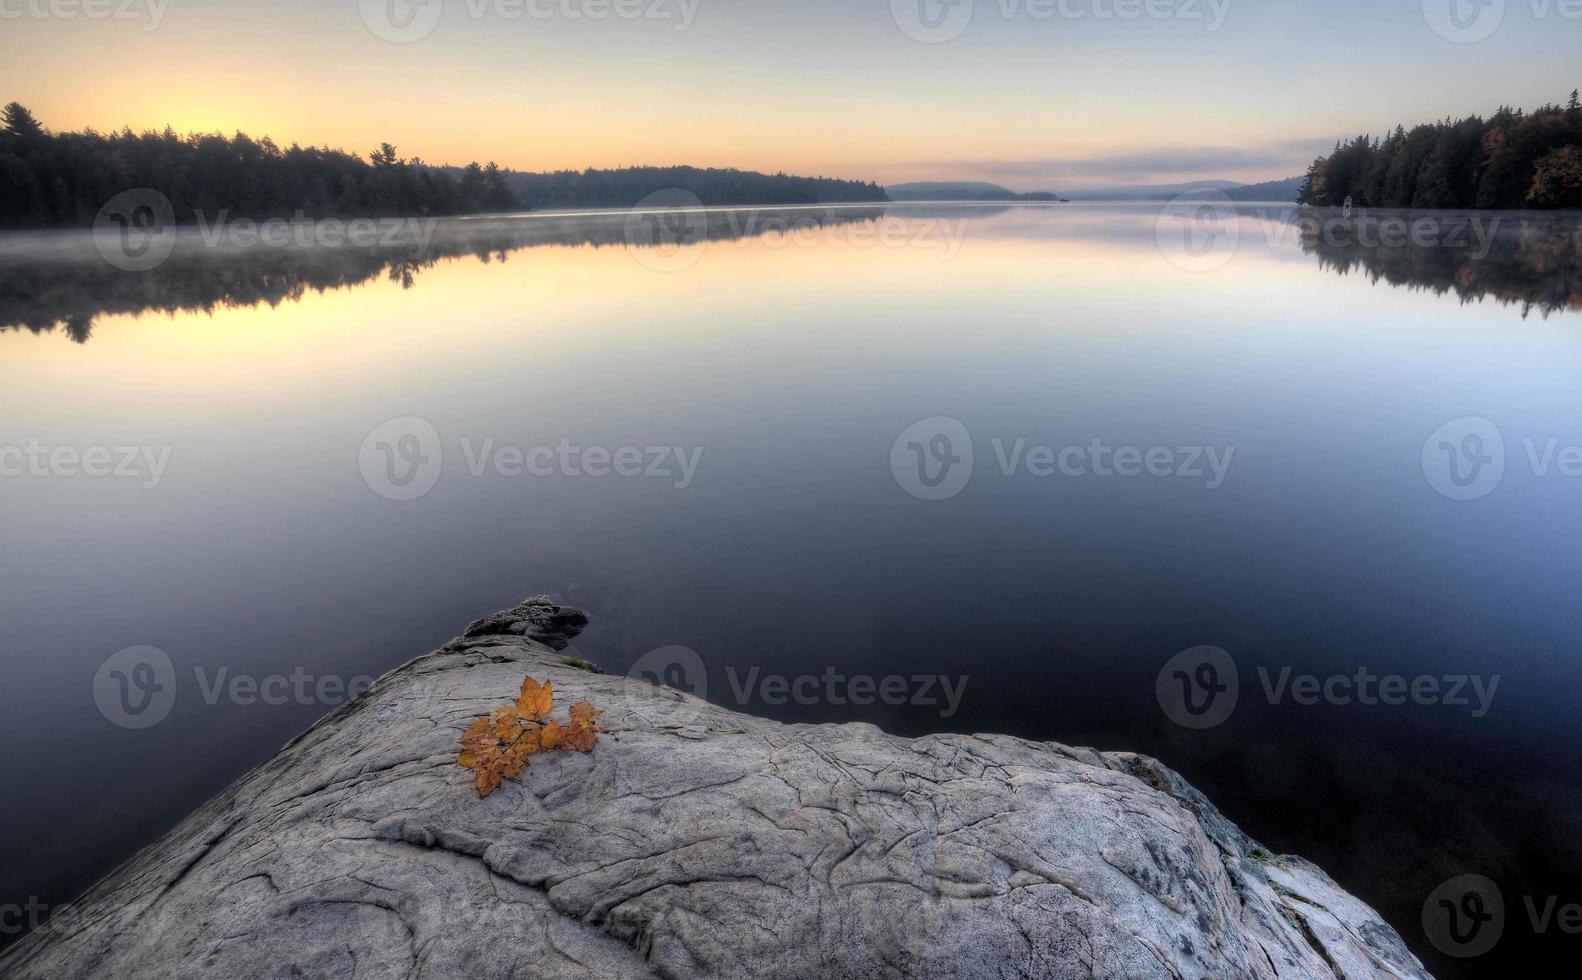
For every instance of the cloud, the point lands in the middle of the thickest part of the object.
(1269, 161)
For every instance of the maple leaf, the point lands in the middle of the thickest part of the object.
(536, 700)
(584, 728)
(498, 745)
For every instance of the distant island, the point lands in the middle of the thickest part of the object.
(1511, 160)
(62, 179)
(963, 190)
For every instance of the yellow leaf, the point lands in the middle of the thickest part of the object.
(498, 745)
(536, 700)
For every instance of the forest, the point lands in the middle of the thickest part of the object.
(1512, 160)
(61, 179)
(626, 187)
(50, 179)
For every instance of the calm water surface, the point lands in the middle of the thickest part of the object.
(804, 543)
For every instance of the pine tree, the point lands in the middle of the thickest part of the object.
(19, 121)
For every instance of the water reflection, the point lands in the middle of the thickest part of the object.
(57, 280)
(1530, 260)
(52, 280)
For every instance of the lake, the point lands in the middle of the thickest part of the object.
(1290, 500)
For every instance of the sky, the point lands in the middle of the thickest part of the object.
(1034, 94)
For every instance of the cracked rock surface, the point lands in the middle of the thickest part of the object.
(697, 842)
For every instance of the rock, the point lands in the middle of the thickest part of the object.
(536, 618)
(697, 842)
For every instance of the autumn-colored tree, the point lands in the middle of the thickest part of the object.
(1557, 183)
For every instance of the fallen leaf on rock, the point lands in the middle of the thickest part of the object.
(497, 746)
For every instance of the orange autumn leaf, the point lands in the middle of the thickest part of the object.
(584, 728)
(498, 745)
(536, 700)
(487, 782)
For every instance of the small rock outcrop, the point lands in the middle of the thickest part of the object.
(698, 842)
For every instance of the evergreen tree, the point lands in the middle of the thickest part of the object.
(19, 121)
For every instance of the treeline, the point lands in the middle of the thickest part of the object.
(1510, 160)
(62, 179)
(50, 179)
(628, 186)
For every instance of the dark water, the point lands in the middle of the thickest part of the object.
(1350, 389)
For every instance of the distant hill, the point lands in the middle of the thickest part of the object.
(1273, 190)
(1150, 192)
(1282, 191)
(628, 186)
(962, 190)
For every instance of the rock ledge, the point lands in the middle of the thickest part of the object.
(698, 842)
